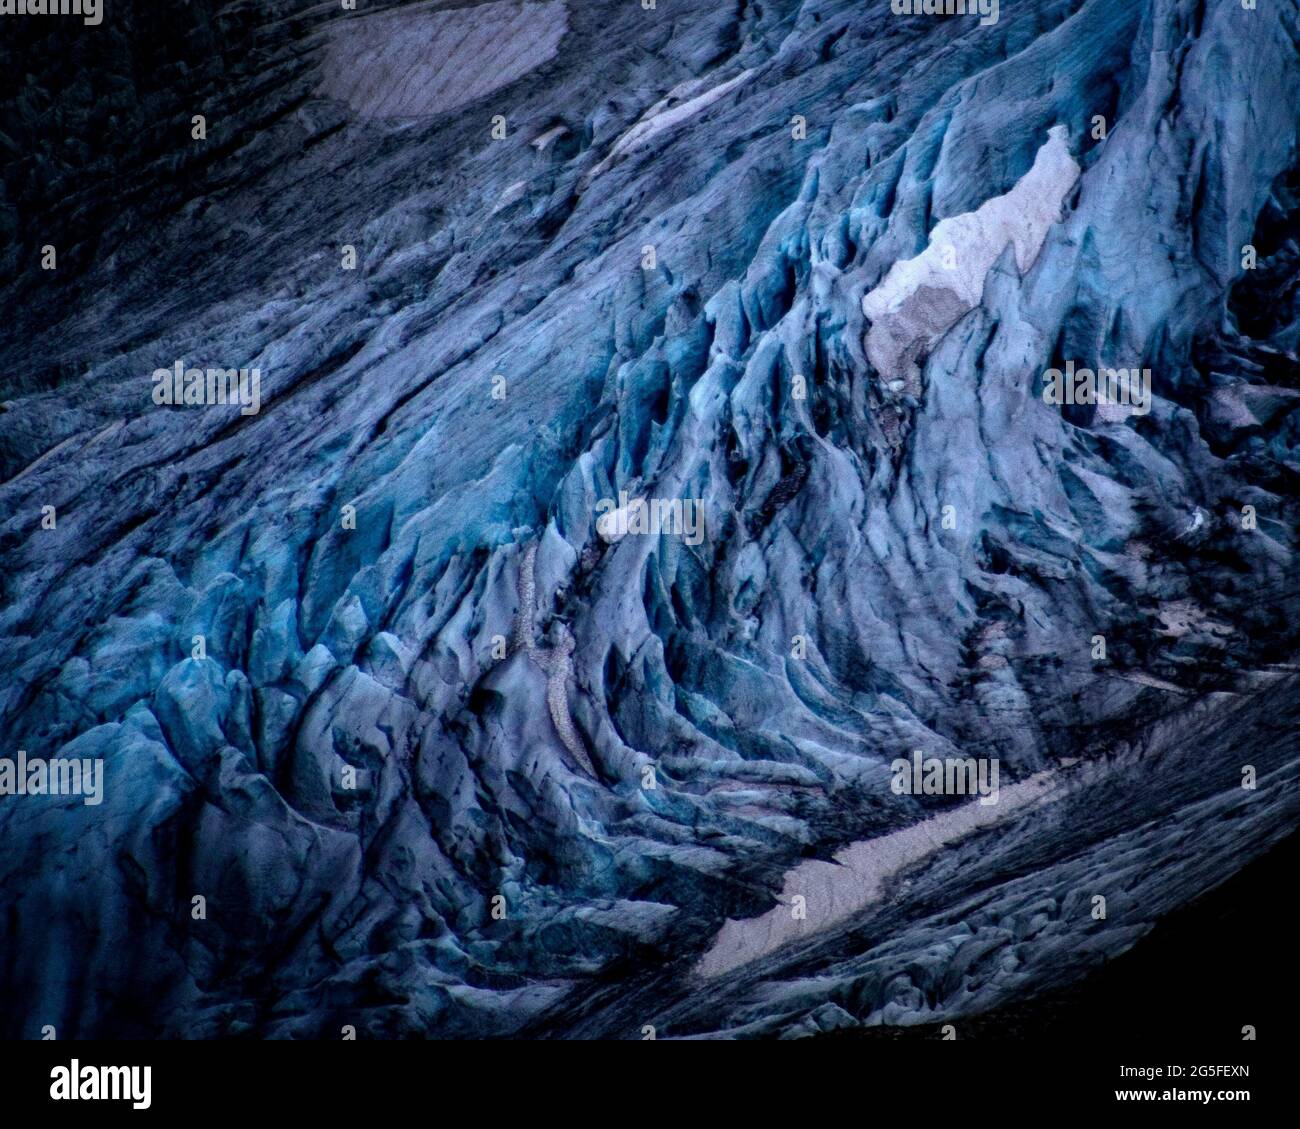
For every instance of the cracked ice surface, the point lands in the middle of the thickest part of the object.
(727, 755)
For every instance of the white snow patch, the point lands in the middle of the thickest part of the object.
(663, 115)
(543, 140)
(920, 299)
(835, 891)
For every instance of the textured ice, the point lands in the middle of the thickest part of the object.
(414, 632)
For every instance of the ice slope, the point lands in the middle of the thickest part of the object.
(501, 362)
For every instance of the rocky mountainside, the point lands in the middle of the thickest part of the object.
(647, 437)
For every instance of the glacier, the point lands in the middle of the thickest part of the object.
(394, 737)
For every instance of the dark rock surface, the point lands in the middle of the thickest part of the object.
(416, 804)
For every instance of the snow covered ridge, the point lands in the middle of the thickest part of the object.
(425, 60)
(920, 299)
(818, 894)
